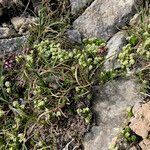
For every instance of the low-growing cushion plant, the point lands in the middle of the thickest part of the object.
(42, 89)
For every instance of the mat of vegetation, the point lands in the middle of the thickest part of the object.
(46, 93)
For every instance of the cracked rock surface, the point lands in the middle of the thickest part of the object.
(103, 18)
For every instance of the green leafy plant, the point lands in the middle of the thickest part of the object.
(109, 75)
(86, 113)
(44, 87)
(137, 51)
(130, 112)
(128, 135)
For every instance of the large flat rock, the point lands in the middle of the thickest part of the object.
(110, 105)
(103, 18)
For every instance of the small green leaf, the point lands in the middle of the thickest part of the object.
(133, 40)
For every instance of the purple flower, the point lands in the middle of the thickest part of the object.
(102, 51)
(8, 64)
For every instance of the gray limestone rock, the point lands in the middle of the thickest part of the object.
(103, 18)
(114, 45)
(77, 5)
(10, 45)
(74, 36)
(111, 102)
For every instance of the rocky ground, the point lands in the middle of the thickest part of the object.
(16, 17)
(106, 19)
